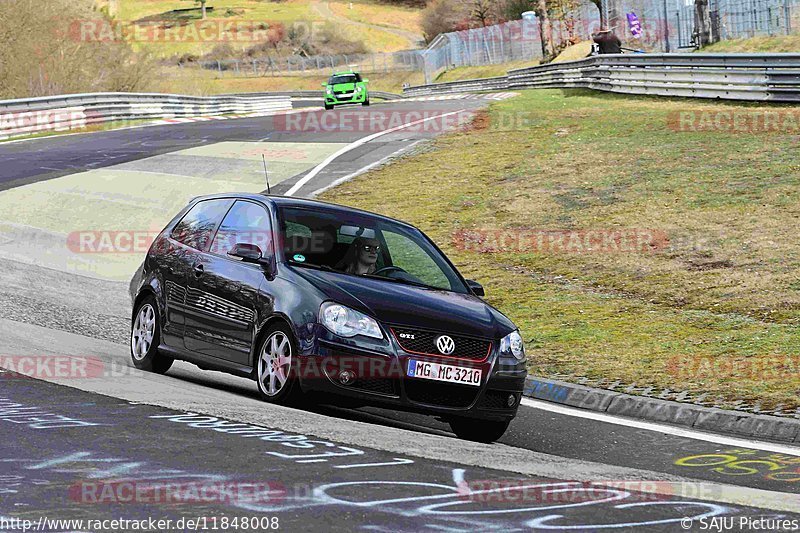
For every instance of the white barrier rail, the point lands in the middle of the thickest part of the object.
(62, 113)
(751, 77)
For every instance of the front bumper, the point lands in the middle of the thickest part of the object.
(346, 98)
(379, 379)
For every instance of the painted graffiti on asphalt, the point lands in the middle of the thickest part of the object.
(440, 501)
(433, 503)
(747, 462)
(35, 417)
(318, 451)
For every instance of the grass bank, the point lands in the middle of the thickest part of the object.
(485, 71)
(763, 44)
(191, 80)
(396, 16)
(710, 304)
(302, 14)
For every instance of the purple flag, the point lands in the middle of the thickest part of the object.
(633, 25)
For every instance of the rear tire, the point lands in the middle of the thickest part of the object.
(478, 430)
(145, 338)
(275, 366)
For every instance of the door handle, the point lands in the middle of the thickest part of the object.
(198, 270)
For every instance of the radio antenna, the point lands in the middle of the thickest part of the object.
(266, 175)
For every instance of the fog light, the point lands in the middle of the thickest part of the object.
(346, 377)
(512, 400)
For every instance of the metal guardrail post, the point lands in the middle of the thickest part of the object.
(787, 17)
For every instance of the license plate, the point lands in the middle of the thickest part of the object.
(448, 373)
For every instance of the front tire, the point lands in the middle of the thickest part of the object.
(145, 338)
(276, 366)
(365, 102)
(328, 107)
(486, 431)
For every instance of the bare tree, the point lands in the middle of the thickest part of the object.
(513, 10)
(540, 7)
(66, 61)
(442, 16)
(482, 12)
(702, 23)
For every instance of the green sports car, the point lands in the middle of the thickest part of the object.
(345, 88)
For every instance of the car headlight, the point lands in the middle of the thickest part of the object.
(347, 322)
(359, 89)
(329, 90)
(512, 345)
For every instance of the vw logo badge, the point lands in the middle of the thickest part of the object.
(445, 345)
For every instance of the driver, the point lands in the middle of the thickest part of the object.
(360, 257)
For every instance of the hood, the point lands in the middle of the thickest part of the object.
(344, 87)
(405, 305)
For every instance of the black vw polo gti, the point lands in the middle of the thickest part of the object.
(309, 297)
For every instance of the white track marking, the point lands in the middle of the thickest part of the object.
(662, 428)
(317, 169)
(352, 175)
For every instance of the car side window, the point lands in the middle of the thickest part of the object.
(245, 223)
(197, 226)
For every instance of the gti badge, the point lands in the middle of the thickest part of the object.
(445, 345)
(407, 336)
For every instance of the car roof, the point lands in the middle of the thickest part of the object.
(342, 73)
(290, 201)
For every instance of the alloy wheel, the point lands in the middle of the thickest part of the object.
(275, 363)
(143, 331)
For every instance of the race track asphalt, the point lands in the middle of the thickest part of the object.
(368, 468)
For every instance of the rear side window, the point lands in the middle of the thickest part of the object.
(197, 226)
(245, 223)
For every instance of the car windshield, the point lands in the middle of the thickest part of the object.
(344, 78)
(362, 245)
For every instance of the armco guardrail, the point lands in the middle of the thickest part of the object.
(474, 85)
(60, 113)
(380, 95)
(753, 77)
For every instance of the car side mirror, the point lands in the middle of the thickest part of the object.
(250, 253)
(476, 288)
(324, 84)
(365, 81)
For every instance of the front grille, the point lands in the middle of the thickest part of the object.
(442, 394)
(379, 385)
(424, 342)
(495, 399)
